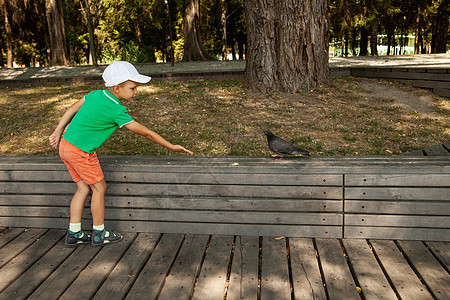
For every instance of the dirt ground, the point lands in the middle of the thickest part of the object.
(419, 101)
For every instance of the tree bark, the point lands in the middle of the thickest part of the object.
(287, 44)
(223, 24)
(9, 34)
(193, 47)
(442, 23)
(87, 9)
(373, 38)
(418, 30)
(363, 42)
(56, 31)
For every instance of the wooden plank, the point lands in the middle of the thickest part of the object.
(57, 175)
(397, 207)
(435, 180)
(370, 276)
(244, 270)
(247, 165)
(57, 223)
(229, 229)
(19, 244)
(55, 285)
(442, 251)
(54, 200)
(275, 282)
(442, 92)
(406, 283)
(306, 278)
(23, 261)
(436, 150)
(245, 217)
(213, 275)
(151, 279)
(235, 204)
(226, 203)
(431, 84)
(398, 221)
(63, 188)
(140, 215)
(181, 178)
(397, 233)
(434, 275)
(91, 277)
(411, 75)
(398, 193)
(331, 231)
(297, 192)
(128, 189)
(35, 211)
(225, 179)
(9, 234)
(121, 279)
(181, 279)
(413, 153)
(338, 278)
(38, 272)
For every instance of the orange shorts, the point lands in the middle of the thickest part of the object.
(82, 165)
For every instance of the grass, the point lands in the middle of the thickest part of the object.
(223, 118)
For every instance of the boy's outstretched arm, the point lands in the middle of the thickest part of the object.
(151, 135)
(65, 120)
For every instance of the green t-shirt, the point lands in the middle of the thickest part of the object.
(96, 120)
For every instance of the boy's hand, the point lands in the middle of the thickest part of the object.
(178, 148)
(54, 139)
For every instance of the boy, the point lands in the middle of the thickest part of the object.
(92, 121)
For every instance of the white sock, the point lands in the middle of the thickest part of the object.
(99, 227)
(74, 227)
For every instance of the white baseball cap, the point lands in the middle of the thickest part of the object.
(121, 71)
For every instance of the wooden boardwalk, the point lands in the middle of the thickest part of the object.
(35, 264)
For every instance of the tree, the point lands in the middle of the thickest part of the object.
(287, 44)
(87, 10)
(440, 34)
(56, 30)
(193, 47)
(7, 11)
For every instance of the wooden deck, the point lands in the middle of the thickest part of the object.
(234, 228)
(394, 198)
(35, 264)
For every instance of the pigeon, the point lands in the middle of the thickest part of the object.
(282, 147)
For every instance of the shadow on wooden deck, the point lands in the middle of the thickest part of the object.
(35, 264)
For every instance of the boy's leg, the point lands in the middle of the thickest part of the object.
(78, 200)
(77, 237)
(101, 236)
(98, 202)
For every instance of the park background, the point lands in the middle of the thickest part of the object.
(57, 32)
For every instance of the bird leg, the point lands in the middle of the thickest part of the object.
(278, 156)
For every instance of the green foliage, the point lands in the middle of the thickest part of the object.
(139, 30)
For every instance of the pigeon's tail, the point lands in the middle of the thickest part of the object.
(301, 152)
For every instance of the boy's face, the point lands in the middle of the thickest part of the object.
(126, 90)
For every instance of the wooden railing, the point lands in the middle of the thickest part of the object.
(337, 197)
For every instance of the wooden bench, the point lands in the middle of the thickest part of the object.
(337, 197)
(434, 79)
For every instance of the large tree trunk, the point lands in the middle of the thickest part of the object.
(373, 38)
(223, 24)
(87, 9)
(363, 42)
(9, 34)
(56, 31)
(418, 30)
(287, 44)
(442, 23)
(193, 47)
